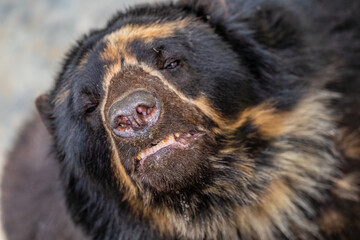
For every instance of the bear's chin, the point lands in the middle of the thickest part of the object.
(171, 169)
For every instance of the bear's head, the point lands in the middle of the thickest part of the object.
(189, 119)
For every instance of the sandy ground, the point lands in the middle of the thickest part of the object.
(34, 36)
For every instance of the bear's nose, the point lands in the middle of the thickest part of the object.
(134, 114)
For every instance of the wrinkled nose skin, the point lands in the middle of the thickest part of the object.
(134, 114)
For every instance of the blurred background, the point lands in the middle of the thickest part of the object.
(34, 36)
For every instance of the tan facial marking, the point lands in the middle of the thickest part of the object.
(274, 123)
(147, 32)
(118, 42)
(156, 73)
(204, 104)
(115, 160)
(264, 116)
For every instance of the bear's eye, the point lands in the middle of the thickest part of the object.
(172, 65)
(90, 108)
(88, 102)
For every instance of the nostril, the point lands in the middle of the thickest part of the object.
(145, 111)
(123, 122)
(141, 110)
(123, 126)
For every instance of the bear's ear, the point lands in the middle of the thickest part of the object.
(44, 108)
(273, 25)
(276, 27)
(214, 11)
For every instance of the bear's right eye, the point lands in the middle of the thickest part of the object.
(91, 108)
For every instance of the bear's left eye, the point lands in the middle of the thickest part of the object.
(172, 65)
(89, 102)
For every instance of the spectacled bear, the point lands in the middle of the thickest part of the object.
(225, 119)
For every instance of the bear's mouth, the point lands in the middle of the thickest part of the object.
(174, 140)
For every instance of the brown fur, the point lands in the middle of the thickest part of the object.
(39, 185)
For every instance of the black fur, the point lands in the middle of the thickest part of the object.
(238, 54)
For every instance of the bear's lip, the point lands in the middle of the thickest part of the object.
(175, 140)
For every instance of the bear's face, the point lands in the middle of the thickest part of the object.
(156, 81)
(146, 99)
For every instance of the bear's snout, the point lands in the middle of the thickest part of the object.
(134, 114)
